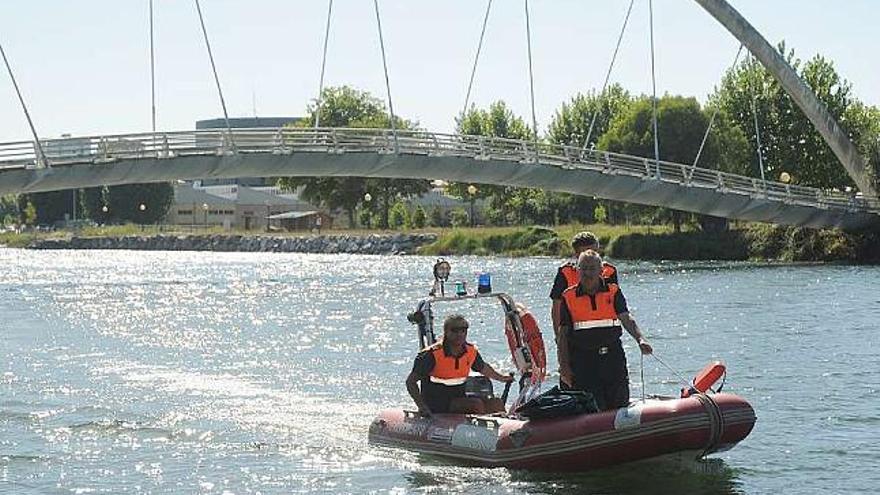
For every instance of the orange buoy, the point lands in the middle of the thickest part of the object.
(532, 340)
(705, 379)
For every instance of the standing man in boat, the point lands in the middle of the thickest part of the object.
(443, 369)
(590, 353)
(567, 276)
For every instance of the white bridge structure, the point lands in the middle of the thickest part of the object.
(78, 162)
(287, 152)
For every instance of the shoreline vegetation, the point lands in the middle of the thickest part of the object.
(748, 242)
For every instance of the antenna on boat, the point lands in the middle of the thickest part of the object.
(442, 268)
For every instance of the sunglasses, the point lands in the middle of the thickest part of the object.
(459, 329)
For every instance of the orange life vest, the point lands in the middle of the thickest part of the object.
(452, 370)
(584, 317)
(569, 270)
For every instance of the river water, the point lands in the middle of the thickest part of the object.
(184, 372)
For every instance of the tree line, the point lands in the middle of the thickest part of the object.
(616, 120)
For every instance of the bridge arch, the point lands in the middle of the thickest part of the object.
(845, 151)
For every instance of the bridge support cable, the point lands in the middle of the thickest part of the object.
(531, 77)
(323, 66)
(654, 87)
(467, 97)
(41, 160)
(754, 98)
(712, 120)
(608, 76)
(152, 75)
(387, 80)
(216, 78)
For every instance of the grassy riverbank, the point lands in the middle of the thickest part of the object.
(528, 241)
(748, 242)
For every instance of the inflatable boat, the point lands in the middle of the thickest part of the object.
(694, 424)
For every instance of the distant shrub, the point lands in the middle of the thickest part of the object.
(418, 218)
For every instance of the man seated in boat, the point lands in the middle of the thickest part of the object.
(443, 369)
(589, 349)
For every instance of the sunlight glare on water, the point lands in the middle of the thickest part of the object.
(185, 372)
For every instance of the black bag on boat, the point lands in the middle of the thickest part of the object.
(556, 403)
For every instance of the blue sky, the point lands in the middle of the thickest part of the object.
(84, 66)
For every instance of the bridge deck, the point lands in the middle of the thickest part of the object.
(133, 158)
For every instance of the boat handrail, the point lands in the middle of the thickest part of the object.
(500, 295)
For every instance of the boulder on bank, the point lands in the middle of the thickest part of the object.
(371, 244)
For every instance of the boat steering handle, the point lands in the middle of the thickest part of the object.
(506, 390)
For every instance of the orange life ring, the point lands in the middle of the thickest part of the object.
(532, 340)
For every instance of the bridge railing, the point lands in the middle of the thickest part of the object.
(102, 149)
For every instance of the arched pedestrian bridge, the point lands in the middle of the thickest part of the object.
(80, 162)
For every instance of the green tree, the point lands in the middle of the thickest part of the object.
(399, 215)
(681, 124)
(789, 141)
(600, 214)
(571, 122)
(438, 219)
(365, 217)
(347, 107)
(29, 214)
(51, 206)
(389, 191)
(418, 218)
(459, 218)
(95, 200)
(497, 121)
(124, 202)
(8, 209)
(500, 122)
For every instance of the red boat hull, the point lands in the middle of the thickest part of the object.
(700, 424)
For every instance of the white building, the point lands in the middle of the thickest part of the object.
(236, 207)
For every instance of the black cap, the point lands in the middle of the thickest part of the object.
(584, 239)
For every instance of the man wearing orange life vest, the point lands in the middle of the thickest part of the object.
(567, 274)
(590, 353)
(443, 369)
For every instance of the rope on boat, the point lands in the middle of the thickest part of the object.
(716, 423)
(642, 372)
(678, 375)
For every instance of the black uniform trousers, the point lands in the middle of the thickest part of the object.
(602, 372)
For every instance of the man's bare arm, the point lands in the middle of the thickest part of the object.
(412, 387)
(554, 315)
(632, 328)
(490, 372)
(562, 356)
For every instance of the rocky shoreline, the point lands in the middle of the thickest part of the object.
(330, 244)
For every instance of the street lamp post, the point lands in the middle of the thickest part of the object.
(472, 192)
(367, 198)
(205, 209)
(268, 214)
(143, 208)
